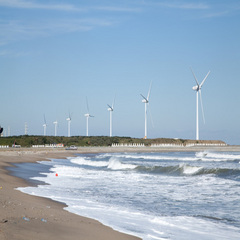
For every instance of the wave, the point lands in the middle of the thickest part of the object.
(116, 164)
(177, 170)
(203, 156)
(86, 162)
(152, 157)
(211, 156)
(184, 169)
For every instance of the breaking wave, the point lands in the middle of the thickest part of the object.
(116, 164)
(113, 163)
(211, 156)
(86, 162)
(184, 169)
(203, 156)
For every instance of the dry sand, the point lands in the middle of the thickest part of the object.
(26, 217)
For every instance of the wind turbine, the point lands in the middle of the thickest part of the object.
(87, 115)
(44, 126)
(197, 88)
(146, 102)
(55, 124)
(69, 124)
(110, 109)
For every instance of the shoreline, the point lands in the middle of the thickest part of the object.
(28, 217)
(25, 217)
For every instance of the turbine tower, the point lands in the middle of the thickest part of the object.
(110, 109)
(146, 102)
(87, 115)
(197, 88)
(69, 125)
(55, 125)
(44, 126)
(26, 129)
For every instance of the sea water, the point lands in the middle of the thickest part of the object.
(179, 195)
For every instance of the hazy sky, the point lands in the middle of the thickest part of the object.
(55, 53)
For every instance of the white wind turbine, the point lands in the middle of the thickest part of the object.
(146, 102)
(44, 126)
(197, 88)
(69, 125)
(87, 115)
(110, 109)
(55, 125)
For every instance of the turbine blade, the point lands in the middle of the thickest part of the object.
(194, 76)
(144, 97)
(149, 91)
(113, 101)
(150, 113)
(87, 104)
(109, 106)
(45, 122)
(204, 79)
(202, 105)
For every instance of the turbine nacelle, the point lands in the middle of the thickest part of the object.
(110, 108)
(68, 119)
(196, 88)
(88, 115)
(45, 122)
(145, 100)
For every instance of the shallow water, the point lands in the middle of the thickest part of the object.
(151, 195)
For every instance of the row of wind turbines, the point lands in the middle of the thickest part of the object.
(69, 119)
(145, 100)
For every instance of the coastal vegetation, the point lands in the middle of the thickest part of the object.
(29, 140)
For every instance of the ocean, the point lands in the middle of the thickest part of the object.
(175, 195)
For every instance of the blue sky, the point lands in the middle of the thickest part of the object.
(55, 53)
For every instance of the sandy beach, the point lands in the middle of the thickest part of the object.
(28, 217)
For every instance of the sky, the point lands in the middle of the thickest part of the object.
(55, 54)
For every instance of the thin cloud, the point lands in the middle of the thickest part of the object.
(11, 53)
(187, 6)
(62, 7)
(117, 9)
(32, 5)
(216, 14)
(21, 30)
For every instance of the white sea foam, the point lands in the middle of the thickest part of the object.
(218, 157)
(66, 171)
(191, 170)
(84, 161)
(156, 157)
(148, 204)
(116, 164)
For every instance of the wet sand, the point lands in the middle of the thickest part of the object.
(26, 217)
